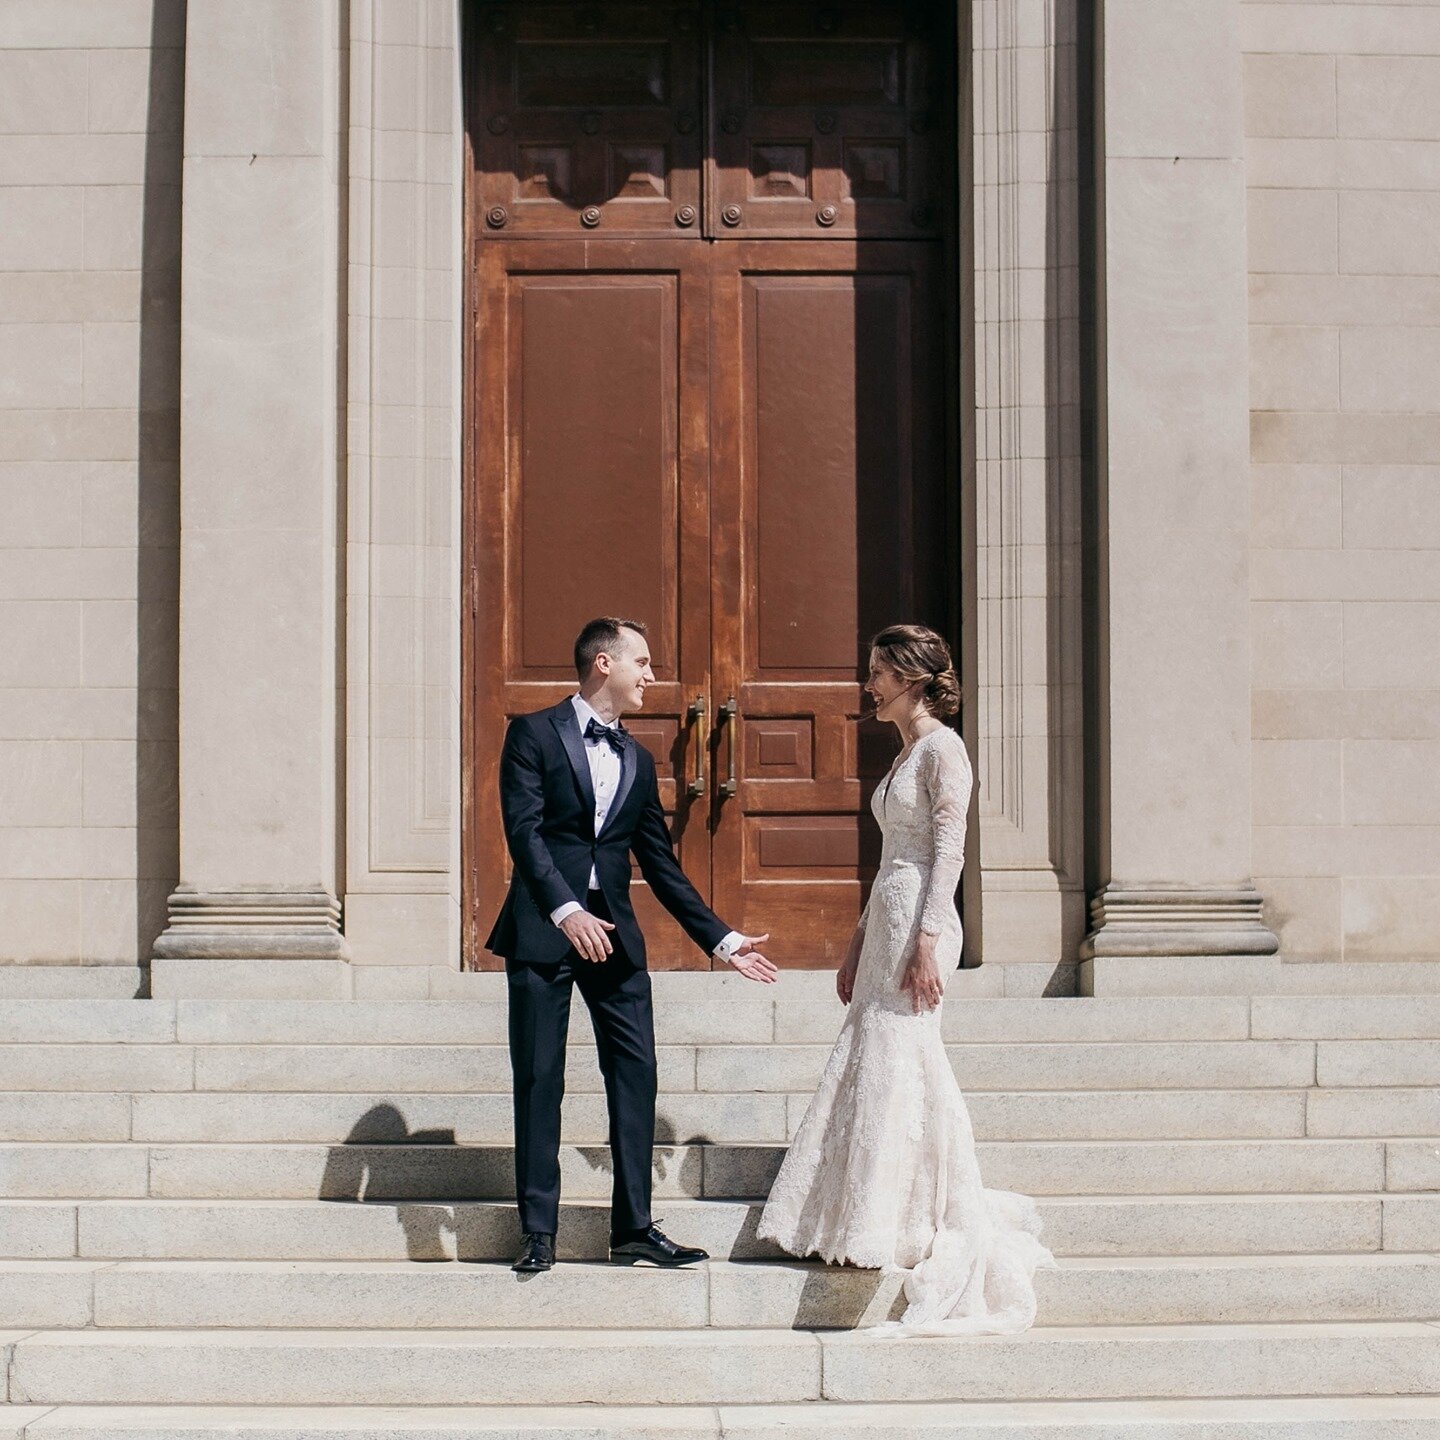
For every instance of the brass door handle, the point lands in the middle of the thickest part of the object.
(695, 718)
(730, 711)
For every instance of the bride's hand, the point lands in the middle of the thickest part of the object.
(922, 975)
(845, 982)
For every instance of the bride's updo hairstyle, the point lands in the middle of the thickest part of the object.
(915, 652)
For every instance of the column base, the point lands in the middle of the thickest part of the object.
(263, 943)
(1140, 920)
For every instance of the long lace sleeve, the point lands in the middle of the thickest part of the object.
(945, 771)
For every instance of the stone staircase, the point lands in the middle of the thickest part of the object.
(290, 1220)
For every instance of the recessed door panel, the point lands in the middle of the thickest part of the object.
(591, 499)
(823, 121)
(587, 118)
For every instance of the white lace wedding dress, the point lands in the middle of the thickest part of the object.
(882, 1171)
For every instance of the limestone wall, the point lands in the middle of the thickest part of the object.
(90, 107)
(1342, 110)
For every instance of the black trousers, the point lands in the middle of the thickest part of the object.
(617, 993)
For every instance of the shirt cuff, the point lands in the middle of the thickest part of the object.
(726, 949)
(568, 908)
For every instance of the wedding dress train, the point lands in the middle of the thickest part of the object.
(882, 1171)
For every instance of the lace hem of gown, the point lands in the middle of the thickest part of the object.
(882, 1174)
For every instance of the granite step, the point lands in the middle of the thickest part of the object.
(714, 1366)
(440, 1171)
(716, 1015)
(772, 1295)
(487, 1230)
(1291, 1418)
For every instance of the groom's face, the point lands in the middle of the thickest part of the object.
(627, 671)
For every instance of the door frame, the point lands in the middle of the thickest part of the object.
(959, 489)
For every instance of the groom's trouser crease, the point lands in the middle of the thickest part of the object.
(618, 995)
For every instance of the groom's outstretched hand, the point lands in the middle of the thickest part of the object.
(751, 963)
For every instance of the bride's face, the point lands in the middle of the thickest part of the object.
(886, 689)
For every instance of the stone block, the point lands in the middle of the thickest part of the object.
(1172, 80)
(64, 1117)
(1294, 367)
(1377, 1111)
(40, 227)
(1297, 645)
(273, 101)
(1183, 1167)
(135, 91)
(96, 1172)
(1325, 1017)
(35, 1230)
(1391, 507)
(67, 980)
(1131, 1114)
(46, 1294)
(1394, 917)
(288, 979)
(1303, 912)
(1297, 782)
(1341, 1063)
(1295, 507)
(1390, 368)
(112, 365)
(404, 1422)
(404, 1069)
(1392, 782)
(1294, 164)
(42, 91)
(1289, 95)
(1037, 1019)
(1412, 1222)
(89, 24)
(1388, 233)
(1171, 1361)
(40, 782)
(1390, 97)
(96, 1067)
(41, 1021)
(40, 366)
(40, 919)
(1018, 1067)
(1412, 1164)
(1323, 29)
(1347, 438)
(416, 1368)
(393, 1295)
(1292, 231)
(1201, 1225)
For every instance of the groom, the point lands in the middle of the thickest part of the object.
(578, 797)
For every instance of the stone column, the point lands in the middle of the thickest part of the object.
(1027, 488)
(1174, 647)
(257, 911)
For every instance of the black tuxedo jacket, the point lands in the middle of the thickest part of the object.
(548, 803)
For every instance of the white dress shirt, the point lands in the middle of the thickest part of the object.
(605, 780)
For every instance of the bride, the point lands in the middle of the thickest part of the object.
(882, 1171)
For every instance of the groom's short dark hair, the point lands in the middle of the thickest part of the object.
(598, 635)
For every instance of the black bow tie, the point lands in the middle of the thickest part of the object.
(615, 735)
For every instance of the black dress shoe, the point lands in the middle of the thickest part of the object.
(653, 1247)
(536, 1253)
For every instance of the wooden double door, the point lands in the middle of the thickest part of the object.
(708, 383)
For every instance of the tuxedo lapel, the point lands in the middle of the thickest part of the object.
(567, 722)
(629, 763)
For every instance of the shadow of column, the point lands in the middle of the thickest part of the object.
(157, 491)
